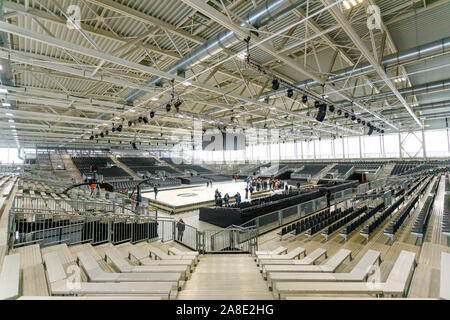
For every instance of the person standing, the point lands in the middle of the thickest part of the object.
(286, 188)
(251, 191)
(180, 227)
(207, 183)
(155, 190)
(239, 198)
(328, 195)
(210, 182)
(246, 192)
(226, 198)
(298, 185)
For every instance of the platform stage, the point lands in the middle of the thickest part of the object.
(191, 198)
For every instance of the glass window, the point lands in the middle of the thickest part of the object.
(437, 144)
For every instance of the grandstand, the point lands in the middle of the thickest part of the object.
(225, 150)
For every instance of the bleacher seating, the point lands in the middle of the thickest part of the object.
(147, 164)
(108, 172)
(395, 225)
(310, 170)
(399, 168)
(359, 221)
(446, 213)
(421, 223)
(160, 183)
(339, 214)
(344, 221)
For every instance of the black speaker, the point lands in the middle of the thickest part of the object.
(322, 112)
(134, 145)
(370, 130)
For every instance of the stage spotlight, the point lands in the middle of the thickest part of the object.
(113, 129)
(317, 104)
(119, 128)
(96, 136)
(129, 123)
(331, 108)
(101, 134)
(91, 138)
(275, 84)
(346, 115)
(359, 120)
(353, 117)
(145, 120)
(382, 131)
(106, 132)
(369, 124)
(290, 93)
(168, 107)
(152, 114)
(177, 104)
(322, 112)
(339, 112)
(140, 119)
(305, 99)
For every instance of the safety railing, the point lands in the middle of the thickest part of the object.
(232, 239)
(281, 217)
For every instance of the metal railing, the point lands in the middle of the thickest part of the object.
(281, 217)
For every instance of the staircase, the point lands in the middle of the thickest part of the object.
(226, 277)
(322, 173)
(123, 166)
(386, 170)
(71, 169)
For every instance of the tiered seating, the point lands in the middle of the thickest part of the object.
(359, 221)
(307, 223)
(446, 214)
(84, 164)
(343, 222)
(358, 274)
(309, 170)
(146, 164)
(399, 168)
(396, 284)
(393, 227)
(329, 266)
(193, 180)
(421, 223)
(338, 214)
(129, 185)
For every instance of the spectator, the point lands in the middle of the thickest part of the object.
(219, 201)
(251, 191)
(155, 190)
(180, 227)
(210, 182)
(286, 188)
(298, 185)
(239, 198)
(328, 195)
(226, 199)
(246, 192)
(207, 183)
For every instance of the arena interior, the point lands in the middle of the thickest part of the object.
(224, 150)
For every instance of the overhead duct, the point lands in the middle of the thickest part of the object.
(427, 50)
(423, 88)
(267, 12)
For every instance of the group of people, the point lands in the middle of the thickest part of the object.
(209, 183)
(219, 201)
(265, 184)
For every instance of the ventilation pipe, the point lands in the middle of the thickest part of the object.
(268, 12)
(420, 52)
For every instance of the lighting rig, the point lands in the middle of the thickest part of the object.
(321, 102)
